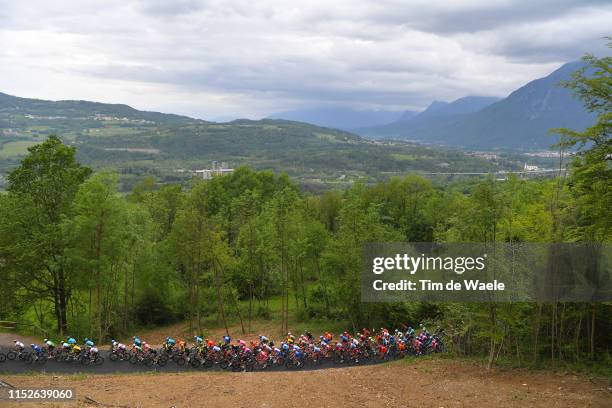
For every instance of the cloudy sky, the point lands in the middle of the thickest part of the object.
(241, 58)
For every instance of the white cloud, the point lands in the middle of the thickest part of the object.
(240, 58)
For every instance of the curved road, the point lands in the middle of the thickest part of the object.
(111, 367)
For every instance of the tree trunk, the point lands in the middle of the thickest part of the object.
(250, 317)
(592, 335)
(219, 298)
(493, 322)
(537, 333)
(303, 286)
(324, 286)
(235, 296)
(577, 339)
(126, 309)
(553, 327)
(63, 301)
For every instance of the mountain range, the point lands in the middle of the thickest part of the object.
(169, 147)
(522, 120)
(342, 117)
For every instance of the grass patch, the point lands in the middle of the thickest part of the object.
(15, 149)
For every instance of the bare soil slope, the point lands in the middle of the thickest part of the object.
(424, 383)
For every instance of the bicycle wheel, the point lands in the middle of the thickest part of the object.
(11, 355)
(162, 361)
(2, 357)
(99, 361)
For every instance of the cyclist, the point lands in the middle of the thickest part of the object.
(116, 346)
(147, 348)
(226, 342)
(93, 351)
(19, 346)
(49, 344)
(88, 343)
(169, 344)
(75, 349)
(37, 350)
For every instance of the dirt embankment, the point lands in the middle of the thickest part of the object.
(426, 383)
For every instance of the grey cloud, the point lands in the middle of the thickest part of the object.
(161, 8)
(486, 16)
(380, 53)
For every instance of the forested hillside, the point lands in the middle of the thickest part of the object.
(137, 144)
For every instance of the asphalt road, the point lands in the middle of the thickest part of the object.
(109, 367)
(112, 367)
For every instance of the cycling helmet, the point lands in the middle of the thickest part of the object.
(227, 339)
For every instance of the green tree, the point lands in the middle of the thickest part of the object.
(591, 177)
(590, 181)
(42, 190)
(101, 244)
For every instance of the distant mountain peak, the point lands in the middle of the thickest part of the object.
(339, 117)
(435, 105)
(519, 121)
(467, 104)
